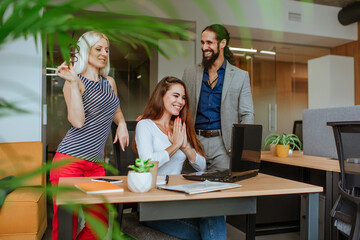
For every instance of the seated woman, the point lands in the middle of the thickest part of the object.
(166, 134)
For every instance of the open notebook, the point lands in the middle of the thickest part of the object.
(200, 187)
(245, 156)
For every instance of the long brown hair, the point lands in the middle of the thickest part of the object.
(155, 109)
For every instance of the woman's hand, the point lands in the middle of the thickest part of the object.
(177, 135)
(122, 135)
(178, 139)
(67, 72)
(185, 140)
(185, 147)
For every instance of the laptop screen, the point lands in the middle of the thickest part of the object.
(245, 156)
(246, 147)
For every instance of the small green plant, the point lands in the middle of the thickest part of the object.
(142, 165)
(283, 139)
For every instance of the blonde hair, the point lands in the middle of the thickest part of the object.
(85, 42)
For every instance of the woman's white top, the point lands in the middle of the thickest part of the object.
(151, 143)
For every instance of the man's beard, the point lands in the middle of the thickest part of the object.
(207, 63)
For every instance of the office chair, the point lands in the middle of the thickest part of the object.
(126, 158)
(298, 130)
(122, 160)
(346, 211)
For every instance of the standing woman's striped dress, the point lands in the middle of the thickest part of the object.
(100, 104)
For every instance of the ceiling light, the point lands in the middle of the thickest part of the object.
(239, 54)
(268, 52)
(243, 49)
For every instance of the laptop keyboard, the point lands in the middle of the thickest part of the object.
(217, 174)
(221, 176)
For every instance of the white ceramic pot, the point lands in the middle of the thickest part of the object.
(139, 182)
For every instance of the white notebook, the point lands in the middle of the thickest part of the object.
(200, 187)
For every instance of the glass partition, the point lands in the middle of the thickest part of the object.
(278, 78)
(262, 72)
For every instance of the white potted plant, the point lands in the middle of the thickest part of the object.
(140, 178)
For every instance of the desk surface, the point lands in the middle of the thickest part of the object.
(300, 160)
(261, 185)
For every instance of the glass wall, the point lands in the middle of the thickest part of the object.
(279, 82)
(261, 71)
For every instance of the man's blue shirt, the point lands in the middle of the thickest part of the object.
(208, 112)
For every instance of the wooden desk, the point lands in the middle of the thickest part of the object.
(172, 205)
(329, 165)
(306, 161)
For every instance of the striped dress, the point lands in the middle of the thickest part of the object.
(100, 104)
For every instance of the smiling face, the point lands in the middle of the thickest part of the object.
(174, 100)
(99, 54)
(211, 48)
(209, 45)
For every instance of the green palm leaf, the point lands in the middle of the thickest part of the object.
(23, 18)
(54, 24)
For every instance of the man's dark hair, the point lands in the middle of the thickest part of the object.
(222, 33)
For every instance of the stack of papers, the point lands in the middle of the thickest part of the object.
(200, 187)
(162, 180)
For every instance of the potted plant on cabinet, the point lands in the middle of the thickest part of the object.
(282, 143)
(140, 178)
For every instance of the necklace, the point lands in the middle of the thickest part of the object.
(163, 128)
(211, 82)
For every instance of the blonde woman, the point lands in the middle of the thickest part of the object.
(92, 104)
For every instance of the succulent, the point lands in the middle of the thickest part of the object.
(142, 165)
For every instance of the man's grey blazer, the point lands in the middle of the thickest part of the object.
(236, 99)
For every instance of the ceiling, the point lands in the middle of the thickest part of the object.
(288, 52)
(334, 3)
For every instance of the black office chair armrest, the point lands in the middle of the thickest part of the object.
(354, 199)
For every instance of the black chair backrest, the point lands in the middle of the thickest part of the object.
(298, 129)
(347, 140)
(126, 158)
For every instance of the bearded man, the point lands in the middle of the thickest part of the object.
(220, 96)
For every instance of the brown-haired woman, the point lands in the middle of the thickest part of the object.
(166, 134)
